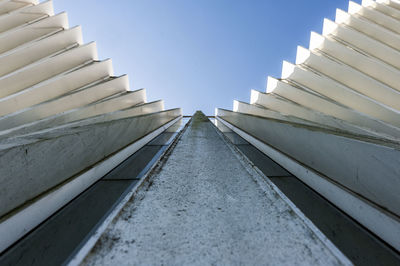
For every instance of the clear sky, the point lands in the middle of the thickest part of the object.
(199, 54)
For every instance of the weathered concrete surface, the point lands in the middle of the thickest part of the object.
(32, 164)
(364, 162)
(204, 208)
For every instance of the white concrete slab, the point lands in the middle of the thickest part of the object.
(55, 64)
(8, 6)
(72, 100)
(341, 94)
(369, 28)
(331, 108)
(56, 86)
(314, 117)
(27, 54)
(375, 16)
(23, 34)
(390, 3)
(131, 103)
(260, 110)
(353, 79)
(373, 67)
(24, 15)
(384, 8)
(352, 37)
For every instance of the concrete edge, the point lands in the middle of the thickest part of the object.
(266, 184)
(144, 183)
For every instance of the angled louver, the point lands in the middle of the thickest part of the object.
(333, 118)
(65, 119)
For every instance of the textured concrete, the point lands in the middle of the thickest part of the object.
(70, 226)
(204, 208)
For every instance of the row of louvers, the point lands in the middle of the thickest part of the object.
(65, 119)
(333, 118)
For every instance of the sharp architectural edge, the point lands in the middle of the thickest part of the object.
(65, 120)
(342, 92)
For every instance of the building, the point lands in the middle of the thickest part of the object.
(308, 172)
(66, 120)
(333, 118)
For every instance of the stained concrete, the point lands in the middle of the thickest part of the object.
(139, 163)
(357, 243)
(264, 163)
(235, 138)
(57, 238)
(164, 139)
(134, 165)
(204, 208)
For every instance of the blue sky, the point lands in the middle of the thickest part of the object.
(199, 54)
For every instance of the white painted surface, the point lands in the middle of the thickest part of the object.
(26, 14)
(122, 106)
(354, 80)
(373, 67)
(374, 15)
(27, 54)
(307, 98)
(56, 86)
(46, 68)
(20, 35)
(369, 28)
(75, 99)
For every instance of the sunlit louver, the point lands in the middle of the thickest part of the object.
(65, 119)
(333, 118)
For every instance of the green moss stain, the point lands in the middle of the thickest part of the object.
(199, 118)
